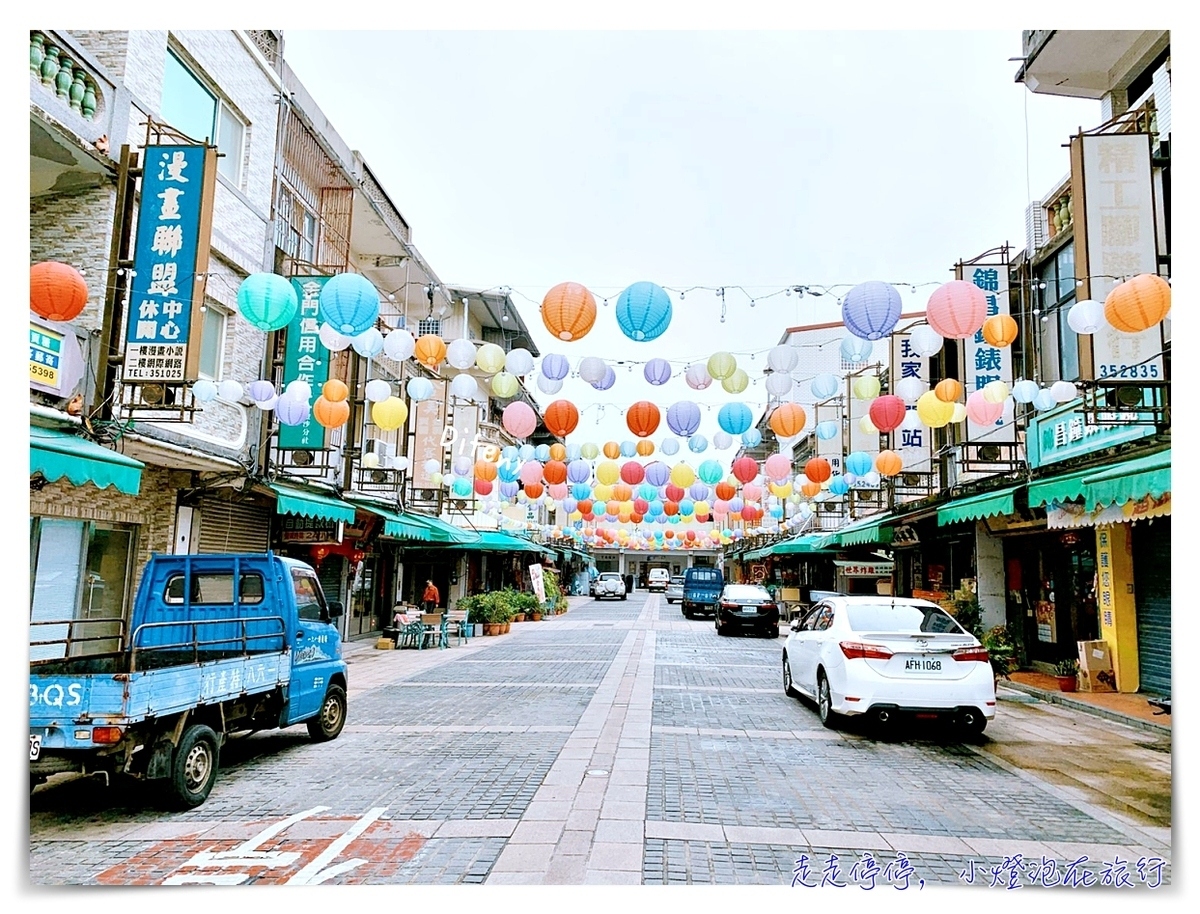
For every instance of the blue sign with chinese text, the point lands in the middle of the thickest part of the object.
(1062, 433)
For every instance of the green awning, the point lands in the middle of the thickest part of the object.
(1068, 487)
(437, 530)
(813, 542)
(861, 532)
(759, 553)
(497, 541)
(396, 525)
(998, 502)
(307, 503)
(1130, 480)
(56, 454)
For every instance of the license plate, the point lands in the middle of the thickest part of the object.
(750, 610)
(35, 746)
(919, 666)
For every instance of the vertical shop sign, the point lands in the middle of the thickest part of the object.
(912, 441)
(429, 423)
(305, 359)
(984, 363)
(170, 257)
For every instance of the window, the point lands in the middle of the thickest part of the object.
(1059, 343)
(901, 618)
(429, 325)
(215, 588)
(212, 342)
(309, 602)
(190, 106)
(308, 237)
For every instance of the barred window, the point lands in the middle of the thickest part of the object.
(429, 325)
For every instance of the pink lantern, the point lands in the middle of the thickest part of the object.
(957, 309)
(778, 466)
(531, 472)
(982, 412)
(751, 492)
(558, 491)
(519, 419)
(483, 487)
(887, 412)
(720, 507)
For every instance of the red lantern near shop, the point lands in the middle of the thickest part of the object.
(57, 291)
(887, 412)
(818, 469)
(561, 418)
(745, 469)
(725, 490)
(643, 418)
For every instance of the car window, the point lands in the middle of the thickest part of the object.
(810, 620)
(704, 576)
(902, 618)
(309, 601)
(825, 619)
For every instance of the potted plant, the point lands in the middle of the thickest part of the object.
(1065, 671)
(1002, 652)
(473, 607)
(555, 601)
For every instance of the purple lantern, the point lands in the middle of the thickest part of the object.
(657, 371)
(292, 410)
(683, 418)
(579, 471)
(609, 379)
(658, 473)
(555, 366)
(509, 489)
(698, 491)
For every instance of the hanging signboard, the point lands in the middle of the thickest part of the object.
(912, 441)
(984, 363)
(169, 261)
(305, 359)
(428, 418)
(56, 362)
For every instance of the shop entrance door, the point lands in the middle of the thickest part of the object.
(362, 599)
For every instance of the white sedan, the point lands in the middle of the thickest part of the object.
(886, 657)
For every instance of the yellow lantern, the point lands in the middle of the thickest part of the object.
(721, 365)
(702, 508)
(1138, 304)
(947, 390)
(736, 382)
(602, 492)
(389, 414)
(865, 387)
(335, 391)
(780, 490)
(867, 427)
(505, 385)
(489, 358)
(645, 447)
(933, 411)
(558, 452)
(607, 472)
(682, 475)
(996, 392)
(1000, 330)
(959, 413)
(575, 516)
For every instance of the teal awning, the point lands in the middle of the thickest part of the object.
(396, 525)
(977, 506)
(1130, 480)
(308, 503)
(759, 553)
(496, 541)
(861, 532)
(1068, 487)
(56, 454)
(813, 542)
(437, 530)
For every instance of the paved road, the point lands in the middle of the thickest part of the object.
(621, 743)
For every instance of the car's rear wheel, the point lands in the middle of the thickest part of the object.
(720, 630)
(789, 688)
(825, 702)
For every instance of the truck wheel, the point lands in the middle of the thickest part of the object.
(332, 717)
(194, 767)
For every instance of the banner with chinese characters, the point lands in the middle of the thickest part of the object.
(428, 418)
(912, 441)
(305, 359)
(984, 363)
(1115, 238)
(170, 256)
(1062, 515)
(863, 569)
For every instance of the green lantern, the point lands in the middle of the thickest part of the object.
(268, 301)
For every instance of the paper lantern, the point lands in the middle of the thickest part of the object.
(430, 350)
(230, 391)
(734, 418)
(483, 487)
(335, 391)
(561, 417)
(888, 463)
(579, 471)
(751, 437)
(787, 420)
(824, 386)
(657, 371)
(725, 491)
(332, 340)
(956, 309)
(632, 472)
(782, 358)
(682, 475)
(644, 448)
(399, 345)
(489, 358)
(722, 440)
(1000, 330)
(1024, 391)
(948, 390)
(827, 430)
(736, 382)
(349, 303)
(854, 349)
(547, 386)
(642, 418)
(697, 444)
(643, 311)
(887, 412)
(534, 489)
(329, 413)
(909, 389)
(1044, 400)
(611, 450)
(866, 426)
(778, 467)
(379, 389)
(778, 384)
(870, 310)
(205, 391)
(519, 419)
(839, 485)
(261, 391)
(555, 366)
(710, 473)
(460, 354)
(657, 473)
(291, 409)
(817, 469)
(925, 341)
(555, 472)
(721, 365)
(912, 421)
(958, 413)
(745, 469)
(300, 388)
(609, 379)
(995, 392)
(518, 362)
(865, 387)
(981, 411)
(697, 377)
(389, 414)
(569, 311)
(1063, 391)
(683, 418)
(266, 300)
(810, 488)
(1138, 304)
(589, 450)
(58, 292)
(419, 389)
(369, 343)
(531, 472)
(859, 463)
(505, 386)
(933, 411)
(465, 387)
(592, 369)
(1086, 317)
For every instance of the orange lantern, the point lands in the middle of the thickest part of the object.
(888, 463)
(818, 469)
(335, 391)
(584, 506)
(429, 350)
(612, 450)
(725, 490)
(1138, 304)
(485, 469)
(642, 418)
(555, 472)
(810, 489)
(645, 448)
(612, 506)
(561, 417)
(329, 413)
(558, 452)
(622, 491)
(788, 420)
(948, 390)
(57, 291)
(534, 490)
(1000, 330)
(569, 311)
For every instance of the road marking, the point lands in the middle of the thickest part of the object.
(314, 873)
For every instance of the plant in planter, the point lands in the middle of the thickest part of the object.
(969, 615)
(555, 601)
(1066, 672)
(1002, 652)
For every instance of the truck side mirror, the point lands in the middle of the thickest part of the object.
(335, 609)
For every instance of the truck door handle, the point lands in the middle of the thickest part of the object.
(299, 636)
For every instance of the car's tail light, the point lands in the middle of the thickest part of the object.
(855, 650)
(768, 606)
(106, 734)
(971, 653)
(725, 605)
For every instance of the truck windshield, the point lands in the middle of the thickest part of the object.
(309, 602)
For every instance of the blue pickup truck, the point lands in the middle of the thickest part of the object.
(701, 590)
(216, 644)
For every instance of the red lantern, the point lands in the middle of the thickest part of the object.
(725, 490)
(555, 472)
(643, 418)
(640, 506)
(670, 508)
(748, 512)
(887, 412)
(534, 490)
(787, 421)
(745, 469)
(674, 492)
(483, 487)
(633, 472)
(691, 536)
(57, 291)
(561, 418)
(636, 518)
(818, 469)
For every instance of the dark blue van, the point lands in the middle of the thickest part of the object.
(702, 588)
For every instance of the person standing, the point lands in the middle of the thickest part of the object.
(430, 598)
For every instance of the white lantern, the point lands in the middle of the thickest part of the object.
(204, 391)
(548, 385)
(399, 463)
(399, 345)
(370, 460)
(464, 386)
(697, 376)
(331, 339)
(1086, 317)
(910, 389)
(1063, 391)
(782, 358)
(368, 343)
(461, 354)
(230, 391)
(300, 389)
(432, 466)
(378, 390)
(925, 341)
(592, 369)
(518, 362)
(1024, 391)
(419, 389)
(778, 383)
(912, 421)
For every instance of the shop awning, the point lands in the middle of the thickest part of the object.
(395, 524)
(998, 502)
(1130, 480)
(1068, 487)
(800, 545)
(497, 541)
(761, 552)
(437, 530)
(867, 530)
(307, 503)
(56, 454)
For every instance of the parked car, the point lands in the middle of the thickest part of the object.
(610, 586)
(657, 580)
(674, 592)
(887, 657)
(747, 606)
(701, 590)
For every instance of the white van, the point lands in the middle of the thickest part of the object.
(658, 579)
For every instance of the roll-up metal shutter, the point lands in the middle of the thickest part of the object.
(1152, 596)
(233, 526)
(329, 573)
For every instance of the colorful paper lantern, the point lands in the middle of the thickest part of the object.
(870, 310)
(1024, 391)
(489, 358)
(859, 463)
(518, 362)
(592, 369)
(865, 387)
(460, 354)
(1000, 330)
(609, 379)
(948, 390)
(778, 467)
(1138, 304)
(751, 437)
(734, 418)
(810, 488)
(854, 349)
(58, 292)
(643, 311)
(504, 385)
(554, 472)
(1086, 317)
(399, 345)
(519, 419)
(682, 475)
(419, 389)
(889, 463)
(909, 389)
(782, 359)
(1044, 400)
(568, 311)
(824, 386)
(555, 366)
(745, 469)
(839, 485)
(736, 382)
(697, 377)
(548, 386)
(934, 411)
(787, 420)
(561, 417)
(721, 365)
(725, 490)
(817, 469)
(262, 391)
(658, 473)
(330, 413)
(958, 412)
(827, 430)
(430, 350)
(644, 448)
(981, 411)
(722, 440)
(866, 426)
(368, 344)
(349, 304)
(332, 340)
(995, 392)
(465, 387)
(611, 450)
(697, 444)
(683, 418)
(642, 418)
(956, 309)
(389, 414)
(657, 372)
(887, 412)
(778, 384)
(266, 300)
(632, 472)
(290, 409)
(1063, 391)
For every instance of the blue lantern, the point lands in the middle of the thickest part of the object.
(510, 452)
(1044, 400)
(687, 507)
(751, 437)
(670, 446)
(555, 366)
(542, 452)
(655, 509)
(573, 452)
(870, 310)
(349, 304)
(824, 386)
(461, 487)
(827, 430)
(420, 389)
(581, 491)
(268, 301)
(855, 350)
(859, 463)
(657, 371)
(644, 311)
(710, 472)
(609, 379)
(628, 449)
(508, 471)
(736, 504)
(683, 418)
(647, 492)
(838, 485)
(526, 451)
(735, 418)
(698, 444)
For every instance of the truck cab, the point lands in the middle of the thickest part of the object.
(702, 587)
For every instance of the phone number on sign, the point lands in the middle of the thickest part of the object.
(1129, 371)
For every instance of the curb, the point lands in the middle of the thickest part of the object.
(1058, 698)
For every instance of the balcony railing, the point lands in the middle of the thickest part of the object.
(69, 88)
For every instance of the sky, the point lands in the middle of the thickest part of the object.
(747, 160)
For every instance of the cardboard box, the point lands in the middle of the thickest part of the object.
(1095, 667)
(385, 644)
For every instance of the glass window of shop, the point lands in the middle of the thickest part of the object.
(190, 106)
(1059, 343)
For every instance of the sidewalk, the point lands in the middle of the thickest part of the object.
(1126, 708)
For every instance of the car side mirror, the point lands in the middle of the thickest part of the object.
(335, 610)
(795, 626)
